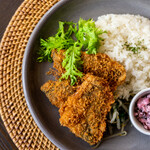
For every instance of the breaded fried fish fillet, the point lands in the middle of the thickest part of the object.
(84, 112)
(97, 64)
(117, 75)
(58, 91)
(103, 66)
(58, 59)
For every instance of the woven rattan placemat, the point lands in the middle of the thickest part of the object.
(13, 108)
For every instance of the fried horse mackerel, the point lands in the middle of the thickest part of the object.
(84, 112)
(83, 107)
(86, 81)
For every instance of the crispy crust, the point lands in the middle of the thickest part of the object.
(83, 107)
(117, 75)
(58, 91)
(84, 112)
(101, 65)
(58, 59)
(97, 64)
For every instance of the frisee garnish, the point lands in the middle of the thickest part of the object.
(71, 63)
(136, 47)
(72, 37)
(89, 35)
(61, 40)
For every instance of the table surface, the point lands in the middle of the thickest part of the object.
(7, 9)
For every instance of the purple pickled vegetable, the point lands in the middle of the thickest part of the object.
(142, 111)
(148, 96)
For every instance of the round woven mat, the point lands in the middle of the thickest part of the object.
(13, 108)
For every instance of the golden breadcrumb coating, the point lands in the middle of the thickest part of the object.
(103, 66)
(58, 59)
(117, 75)
(84, 112)
(97, 64)
(58, 91)
(84, 106)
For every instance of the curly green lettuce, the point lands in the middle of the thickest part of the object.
(72, 37)
(61, 40)
(89, 35)
(71, 63)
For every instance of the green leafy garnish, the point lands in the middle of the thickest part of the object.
(89, 35)
(71, 63)
(135, 48)
(61, 40)
(72, 37)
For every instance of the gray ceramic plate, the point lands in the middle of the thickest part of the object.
(45, 115)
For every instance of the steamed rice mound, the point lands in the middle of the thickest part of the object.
(131, 29)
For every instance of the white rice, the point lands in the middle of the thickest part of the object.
(131, 29)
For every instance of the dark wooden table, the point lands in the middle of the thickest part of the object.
(7, 9)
